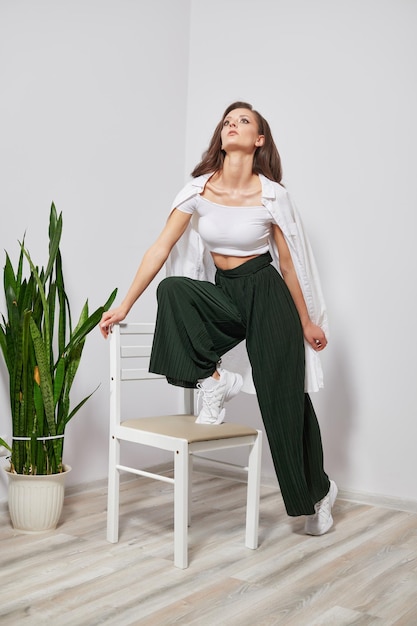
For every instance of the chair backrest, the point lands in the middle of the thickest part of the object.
(130, 350)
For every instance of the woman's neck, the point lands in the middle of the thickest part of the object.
(237, 172)
(235, 184)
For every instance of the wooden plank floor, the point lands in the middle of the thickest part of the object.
(363, 572)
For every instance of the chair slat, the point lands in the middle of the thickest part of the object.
(136, 328)
(131, 352)
(138, 373)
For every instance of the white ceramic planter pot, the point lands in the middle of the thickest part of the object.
(35, 502)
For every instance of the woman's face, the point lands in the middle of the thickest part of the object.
(240, 131)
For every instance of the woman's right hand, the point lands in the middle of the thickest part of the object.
(109, 318)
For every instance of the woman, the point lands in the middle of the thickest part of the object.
(225, 229)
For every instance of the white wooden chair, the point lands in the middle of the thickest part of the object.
(130, 343)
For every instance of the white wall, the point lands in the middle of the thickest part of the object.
(337, 81)
(92, 111)
(94, 104)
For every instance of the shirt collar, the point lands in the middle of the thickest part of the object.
(268, 190)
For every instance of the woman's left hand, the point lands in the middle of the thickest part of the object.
(314, 335)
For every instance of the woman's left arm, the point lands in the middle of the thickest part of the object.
(313, 334)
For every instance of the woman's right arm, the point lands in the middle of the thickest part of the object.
(152, 261)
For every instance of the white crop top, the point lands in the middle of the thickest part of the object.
(230, 230)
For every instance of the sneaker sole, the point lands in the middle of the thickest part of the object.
(212, 422)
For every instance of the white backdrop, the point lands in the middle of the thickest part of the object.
(92, 115)
(101, 98)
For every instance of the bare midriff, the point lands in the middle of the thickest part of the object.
(225, 262)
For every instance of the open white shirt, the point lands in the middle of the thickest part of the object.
(189, 257)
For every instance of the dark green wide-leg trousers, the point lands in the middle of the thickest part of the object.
(198, 322)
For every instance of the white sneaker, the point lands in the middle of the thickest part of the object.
(322, 520)
(215, 393)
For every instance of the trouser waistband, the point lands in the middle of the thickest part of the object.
(247, 268)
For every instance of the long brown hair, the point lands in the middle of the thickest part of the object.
(266, 159)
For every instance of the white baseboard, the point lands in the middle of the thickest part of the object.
(379, 500)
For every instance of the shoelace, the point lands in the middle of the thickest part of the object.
(208, 398)
(323, 507)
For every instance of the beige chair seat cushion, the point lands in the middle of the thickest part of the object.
(184, 427)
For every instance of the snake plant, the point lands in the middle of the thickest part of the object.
(42, 352)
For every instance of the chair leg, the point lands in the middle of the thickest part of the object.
(190, 487)
(181, 494)
(253, 495)
(113, 491)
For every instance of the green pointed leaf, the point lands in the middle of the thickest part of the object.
(110, 300)
(3, 346)
(53, 219)
(46, 325)
(5, 444)
(72, 361)
(63, 305)
(90, 323)
(78, 407)
(9, 278)
(45, 377)
(59, 379)
(55, 232)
